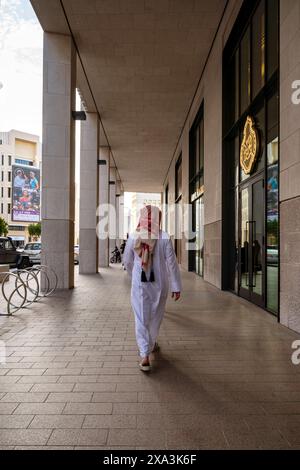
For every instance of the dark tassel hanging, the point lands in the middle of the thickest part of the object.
(152, 276)
(143, 276)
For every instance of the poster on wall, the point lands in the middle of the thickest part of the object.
(26, 193)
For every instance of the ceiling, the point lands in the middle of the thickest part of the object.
(143, 60)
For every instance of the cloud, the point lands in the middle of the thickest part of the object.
(21, 46)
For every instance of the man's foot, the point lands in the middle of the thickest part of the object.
(155, 348)
(145, 364)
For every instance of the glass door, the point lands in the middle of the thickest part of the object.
(252, 242)
(199, 232)
(178, 229)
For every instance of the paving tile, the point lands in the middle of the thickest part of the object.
(88, 408)
(15, 421)
(39, 408)
(46, 447)
(29, 372)
(52, 387)
(256, 439)
(28, 437)
(76, 397)
(15, 387)
(42, 379)
(78, 437)
(136, 408)
(56, 422)
(140, 437)
(20, 397)
(115, 397)
(63, 371)
(7, 408)
(183, 439)
(110, 421)
(94, 387)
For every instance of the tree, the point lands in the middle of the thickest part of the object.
(3, 227)
(35, 230)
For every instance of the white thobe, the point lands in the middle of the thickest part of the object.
(148, 299)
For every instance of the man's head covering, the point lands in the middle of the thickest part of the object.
(146, 234)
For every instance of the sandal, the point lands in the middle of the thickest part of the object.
(145, 367)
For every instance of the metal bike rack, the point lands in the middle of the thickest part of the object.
(22, 287)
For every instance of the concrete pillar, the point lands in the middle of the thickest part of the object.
(58, 204)
(122, 235)
(112, 202)
(88, 241)
(289, 165)
(103, 170)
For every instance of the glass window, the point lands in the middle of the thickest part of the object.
(258, 50)
(260, 121)
(272, 238)
(8, 245)
(245, 71)
(272, 36)
(199, 231)
(201, 151)
(178, 179)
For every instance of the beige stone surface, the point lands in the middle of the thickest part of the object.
(223, 378)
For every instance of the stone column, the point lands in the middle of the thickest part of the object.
(121, 235)
(103, 170)
(289, 164)
(89, 148)
(58, 199)
(112, 202)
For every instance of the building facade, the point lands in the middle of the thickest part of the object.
(237, 155)
(24, 150)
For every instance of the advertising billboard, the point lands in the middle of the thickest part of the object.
(26, 194)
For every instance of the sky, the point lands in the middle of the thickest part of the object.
(21, 67)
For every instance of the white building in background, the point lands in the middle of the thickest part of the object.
(16, 148)
(133, 204)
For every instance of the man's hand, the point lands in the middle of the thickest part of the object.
(176, 296)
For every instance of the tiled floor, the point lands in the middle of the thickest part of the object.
(223, 378)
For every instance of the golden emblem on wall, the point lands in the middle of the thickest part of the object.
(250, 146)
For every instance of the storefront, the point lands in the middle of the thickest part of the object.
(196, 191)
(178, 209)
(250, 170)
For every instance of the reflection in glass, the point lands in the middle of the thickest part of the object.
(258, 50)
(245, 239)
(272, 41)
(257, 236)
(273, 152)
(199, 229)
(272, 238)
(245, 71)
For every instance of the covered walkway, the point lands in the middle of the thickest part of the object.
(223, 378)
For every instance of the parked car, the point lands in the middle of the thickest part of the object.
(11, 256)
(272, 255)
(33, 250)
(76, 254)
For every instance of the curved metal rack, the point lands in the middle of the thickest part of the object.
(22, 287)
